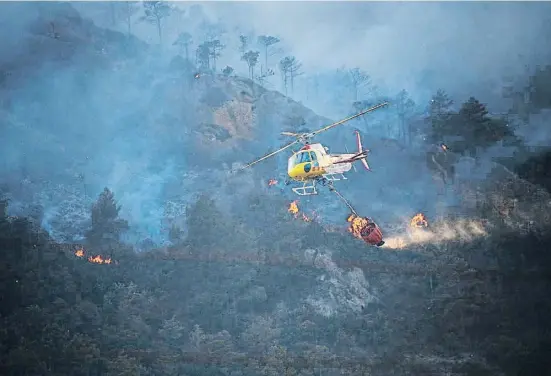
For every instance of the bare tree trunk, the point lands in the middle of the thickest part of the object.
(128, 18)
(159, 31)
(214, 58)
(112, 8)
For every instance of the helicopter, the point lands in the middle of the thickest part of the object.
(313, 163)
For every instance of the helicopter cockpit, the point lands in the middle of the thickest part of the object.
(301, 157)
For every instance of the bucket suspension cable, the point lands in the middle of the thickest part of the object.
(345, 201)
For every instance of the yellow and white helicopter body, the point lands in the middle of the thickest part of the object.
(313, 163)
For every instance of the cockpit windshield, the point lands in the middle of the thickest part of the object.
(302, 157)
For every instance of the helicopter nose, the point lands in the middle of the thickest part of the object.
(296, 171)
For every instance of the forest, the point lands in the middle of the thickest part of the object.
(227, 280)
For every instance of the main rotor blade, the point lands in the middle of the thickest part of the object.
(289, 134)
(348, 118)
(268, 155)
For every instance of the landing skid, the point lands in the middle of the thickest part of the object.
(334, 177)
(309, 186)
(307, 189)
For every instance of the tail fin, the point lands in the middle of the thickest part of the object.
(360, 150)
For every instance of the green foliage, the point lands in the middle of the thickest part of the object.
(540, 88)
(243, 44)
(202, 57)
(207, 227)
(227, 71)
(251, 58)
(106, 226)
(466, 131)
(440, 116)
(214, 50)
(62, 315)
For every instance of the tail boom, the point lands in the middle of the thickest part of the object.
(362, 154)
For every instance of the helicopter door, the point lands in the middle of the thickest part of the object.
(315, 161)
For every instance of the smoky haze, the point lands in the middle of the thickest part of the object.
(464, 47)
(77, 128)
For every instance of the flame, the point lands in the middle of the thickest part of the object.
(95, 259)
(356, 225)
(419, 220)
(293, 208)
(272, 182)
(99, 260)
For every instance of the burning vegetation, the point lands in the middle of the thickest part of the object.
(420, 234)
(356, 225)
(272, 182)
(365, 229)
(419, 220)
(93, 259)
(293, 209)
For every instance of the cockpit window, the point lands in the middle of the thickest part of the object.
(305, 157)
(313, 156)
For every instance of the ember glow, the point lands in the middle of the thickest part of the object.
(93, 259)
(293, 209)
(99, 260)
(419, 221)
(272, 182)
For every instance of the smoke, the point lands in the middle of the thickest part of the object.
(463, 230)
(86, 104)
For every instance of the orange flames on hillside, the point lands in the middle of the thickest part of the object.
(93, 259)
(293, 209)
(419, 221)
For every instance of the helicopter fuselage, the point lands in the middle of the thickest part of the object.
(312, 162)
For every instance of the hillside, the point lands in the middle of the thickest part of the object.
(188, 270)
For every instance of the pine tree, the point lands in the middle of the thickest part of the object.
(106, 225)
(477, 129)
(440, 116)
(205, 223)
